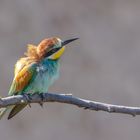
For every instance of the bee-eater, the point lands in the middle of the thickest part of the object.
(35, 72)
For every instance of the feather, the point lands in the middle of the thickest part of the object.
(31, 51)
(16, 110)
(22, 79)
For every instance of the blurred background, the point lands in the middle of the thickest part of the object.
(103, 65)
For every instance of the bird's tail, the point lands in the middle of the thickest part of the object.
(3, 111)
(16, 109)
(12, 109)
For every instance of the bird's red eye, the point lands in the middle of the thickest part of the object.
(52, 51)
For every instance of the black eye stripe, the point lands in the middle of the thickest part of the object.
(52, 52)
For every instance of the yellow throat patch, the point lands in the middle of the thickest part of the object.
(58, 54)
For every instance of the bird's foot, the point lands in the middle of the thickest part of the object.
(41, 97)
(28, 98)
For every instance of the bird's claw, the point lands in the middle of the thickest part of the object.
(42, 99)
(28, 98)
(41, 96)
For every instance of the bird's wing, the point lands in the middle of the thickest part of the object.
(24, 72)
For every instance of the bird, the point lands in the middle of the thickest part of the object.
(36, 71)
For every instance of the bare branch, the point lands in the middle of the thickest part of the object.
(69, 99)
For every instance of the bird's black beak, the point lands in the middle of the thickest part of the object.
(68, 41)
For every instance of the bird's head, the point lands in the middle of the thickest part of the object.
(52, 48)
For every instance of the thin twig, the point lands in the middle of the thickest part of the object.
(69, 99)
